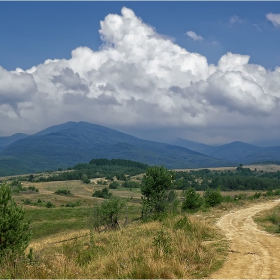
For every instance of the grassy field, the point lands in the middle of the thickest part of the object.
(182, 246)
(178, 247)
(269, 220)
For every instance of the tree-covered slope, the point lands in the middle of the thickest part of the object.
(236, 152)
(71, 143)
(7, 140)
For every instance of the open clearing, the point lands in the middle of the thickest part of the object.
(253, 253)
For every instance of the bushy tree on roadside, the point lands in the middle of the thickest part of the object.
(14, 231)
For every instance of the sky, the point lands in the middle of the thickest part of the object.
(203, 71)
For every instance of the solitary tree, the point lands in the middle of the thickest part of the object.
(107, 213)
(157, 183)
(14, 232)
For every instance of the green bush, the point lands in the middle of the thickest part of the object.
(27, 201)
(32, 188)
(107, 212)
(114, 185)
(63, 192)
(162, 242)
(73, 204)
(192, 200)
(213, 197)
(85, 179)
(14, 231)
(49, 204)
(131, 185)
(104, 193)
(255, 196)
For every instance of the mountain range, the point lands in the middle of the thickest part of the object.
(62, 146)
(236, 152)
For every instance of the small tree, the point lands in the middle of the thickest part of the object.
(104, 193)
(85, 179)
(155, 188)
(107, 212)
(14, 232)
(213, 197)
(192, 201)
(114, 185)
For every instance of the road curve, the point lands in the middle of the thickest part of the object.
(253, 253)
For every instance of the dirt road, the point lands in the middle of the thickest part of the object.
(253, 253)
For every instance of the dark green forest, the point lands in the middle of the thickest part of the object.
(239, 179)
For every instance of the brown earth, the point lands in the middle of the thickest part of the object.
(253, 253)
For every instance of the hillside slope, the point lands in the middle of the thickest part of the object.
(65, 145)
(7, 140)
(236, 152)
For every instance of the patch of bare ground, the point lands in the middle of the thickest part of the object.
(253, 253)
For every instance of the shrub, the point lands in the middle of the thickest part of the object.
(32, 188)
(213, 197)
(63, 192)
(162, 242)
(27, 201)
(85, 179)
(104, 193)
(114, 185)
(14, 232)
(131, 185)
(121, 177)
(49, 204)
(73, 204)
(254, 196)
(107, 212)
(192, 201)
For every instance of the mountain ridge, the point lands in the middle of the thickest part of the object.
(236, 151)
(70, 143)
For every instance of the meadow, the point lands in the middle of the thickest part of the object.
(64, 244)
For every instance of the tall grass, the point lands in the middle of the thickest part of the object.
(178, 247)
(269, 220)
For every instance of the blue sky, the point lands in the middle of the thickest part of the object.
(32, 32)
(203, 71)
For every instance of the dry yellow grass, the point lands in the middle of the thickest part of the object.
(178, 247)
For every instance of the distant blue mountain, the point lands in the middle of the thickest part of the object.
(7, 140)
(70, 143)
(235, 152)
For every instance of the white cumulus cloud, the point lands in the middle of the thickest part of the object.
(194, 36)
(140, 79)
(274, 18)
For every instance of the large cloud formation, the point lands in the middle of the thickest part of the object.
(140, 79)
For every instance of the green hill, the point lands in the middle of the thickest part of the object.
(65, 145)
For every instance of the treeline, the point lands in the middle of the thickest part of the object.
(118, 162)
(96, 168)
(239, 179)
